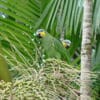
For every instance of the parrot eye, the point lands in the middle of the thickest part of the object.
(39, 35)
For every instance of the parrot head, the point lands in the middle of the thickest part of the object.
(40, 33)
(66, 43)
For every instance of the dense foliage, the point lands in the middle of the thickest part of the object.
(55, 80)
(19, 19)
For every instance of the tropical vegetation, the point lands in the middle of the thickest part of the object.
(52, 79)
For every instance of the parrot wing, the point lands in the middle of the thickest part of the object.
(59, 47)
(49, 48)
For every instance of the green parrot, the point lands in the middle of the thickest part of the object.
(4, 72)
(52, 47)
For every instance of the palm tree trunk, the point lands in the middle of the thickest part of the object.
(86, 49)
